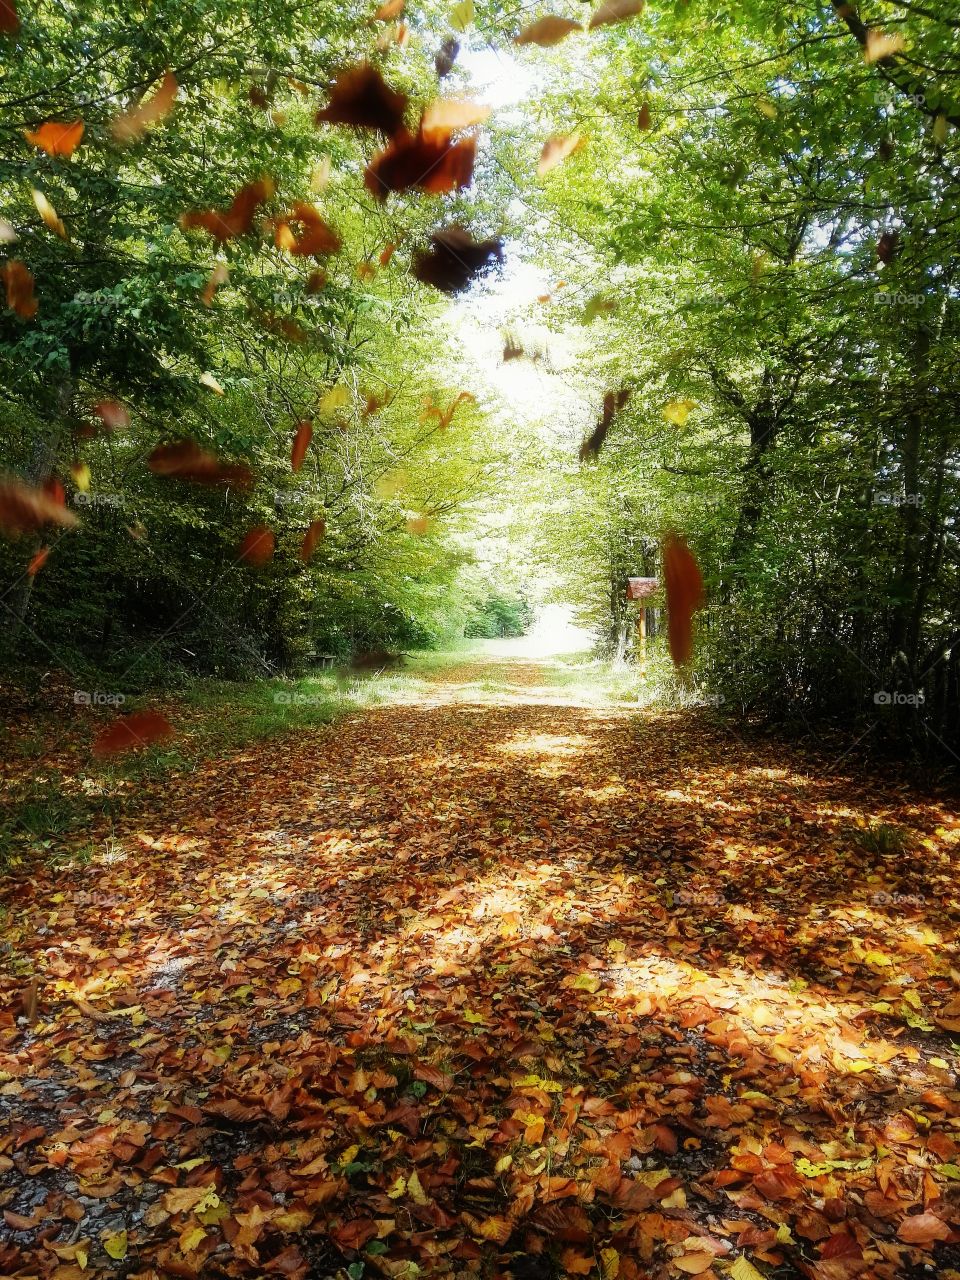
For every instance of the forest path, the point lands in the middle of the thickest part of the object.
(501, 980)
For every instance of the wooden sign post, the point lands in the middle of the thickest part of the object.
(642, 589)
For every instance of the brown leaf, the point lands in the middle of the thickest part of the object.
(152, 108)
(360, 97)
(315, 236)
(615, 11)
(923, 1229)
(129, 733)
(312, 538)
(435, 165)
(454, 259)
(613, 402)
(185, 460)
(258, 546)
(112, 414)
(19, 285)
(56, 138)
(446, 115)
(684, 588)
(556, 149)
(446, 57)
(547, 31)
(9, 22)
(643, 117)
(24, 510)
(238, 219)
(301, 443)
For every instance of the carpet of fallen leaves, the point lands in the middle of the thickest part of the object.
(507, 982)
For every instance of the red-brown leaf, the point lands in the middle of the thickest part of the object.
(361, 97)
(312, 538)
(684, 588)
(185, 460)
(224, 224)
(258, 546)
(433, 164)
(24, 510)
(301, 443)
(132, 732)
(18, 280)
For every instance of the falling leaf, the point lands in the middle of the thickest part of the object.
(556, 149)
(258, 546)
(116, 1245)
(9, 22)
(435, 164)
(462, 15)
(218, 276)
(185, 460)
(315, 236)
(613, 402)
(8, 234)
(81, 476)
(134, 122)
(208, 380)
(547, 31)
(389, 10)
(940, 130)
(129, 733)
(878, 45)
(445, 416)
(360, 97)
(57, 139)
(768, 108)
(678, 411)
(336, 398)
(418, 525)
(454, 259)
(888, 246)
(446, 115)
(38, 561)
(48, 213)
(598, 305)
(19, 285)
(301, 443)
(644, 117)
(446, 57)
(615, 11)
(112, 414)
(238, 218)
(684, 589)
(25, 510)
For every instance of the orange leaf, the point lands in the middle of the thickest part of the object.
(238, 219)
(258, 546)
(301, 443)
(19, 284)
(131, 732)
(684, 588)
(38, 561)
(315, 238)
(923, 1229)
(446, 115)
(24, 510)
(55, 138)
(694, 1264)
(218, 276)
(185, 460)
(615, 11)
(389, 10)
(547, 31)
(556, 149)
(134, 122)
(112, 414)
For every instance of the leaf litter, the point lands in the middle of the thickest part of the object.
(505, 983)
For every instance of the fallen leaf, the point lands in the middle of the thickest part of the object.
(128, 733)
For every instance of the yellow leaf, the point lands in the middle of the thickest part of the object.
(678, 411)
(208, 380)
(744, 1270)
(587, 982)
(415, 1190)
(48, 213)
(879, 45)
(462, 15)
(191, 1164)
(348, 1156)
(288, 986)
(609, 1264)
(767, 108)
(784, 1235)
(398, 1188)
(191, 1238)
(81, 1256)
(116, 1245)
(504, 1163)
(473, 1018)
(337, 397)
(81, 476)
